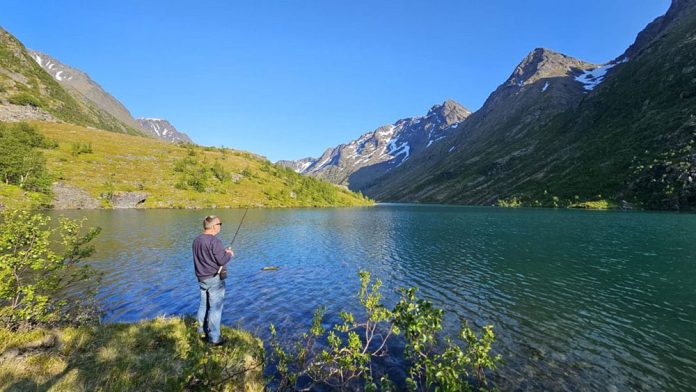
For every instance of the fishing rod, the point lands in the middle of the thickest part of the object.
(239, 227)
(221, 269)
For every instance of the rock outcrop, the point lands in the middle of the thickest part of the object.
(14, 113)
(127, 199)
(68, 197)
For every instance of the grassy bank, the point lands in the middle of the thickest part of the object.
(160, 354)
(15, 197)
(105, 164)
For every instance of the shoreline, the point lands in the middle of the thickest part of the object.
(163, 353)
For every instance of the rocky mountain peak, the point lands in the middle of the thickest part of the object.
(450, 111)
(654, 29)
(543, 63)
(163, 129)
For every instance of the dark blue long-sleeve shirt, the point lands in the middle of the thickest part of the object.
(208, 255)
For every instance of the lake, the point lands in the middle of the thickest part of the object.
(579, 300)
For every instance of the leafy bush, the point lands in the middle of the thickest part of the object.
(197, 179)
(341, 358)
(32, 272)
(25, 99)
(181, 164)
(219, 172)
(193, 174)
(80, 148)
(20, 162)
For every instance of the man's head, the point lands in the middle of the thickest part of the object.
(211, 224)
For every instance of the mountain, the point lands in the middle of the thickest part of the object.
(163, 129)
(376, 153)
(90, 92)
(299, 165)
(562, 132)
(544, 84)
(82, 86)
(28, 92)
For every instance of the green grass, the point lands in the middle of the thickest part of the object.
(181, 176)
(12, 196)
(160, 354)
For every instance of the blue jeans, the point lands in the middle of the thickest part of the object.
(210, 309)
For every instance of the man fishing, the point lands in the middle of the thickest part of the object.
(209, 259)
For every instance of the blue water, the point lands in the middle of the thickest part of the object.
(579, 300)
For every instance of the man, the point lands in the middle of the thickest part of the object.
(209, 259)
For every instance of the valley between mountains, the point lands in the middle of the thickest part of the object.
(559, 132)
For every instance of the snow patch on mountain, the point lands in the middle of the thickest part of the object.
(592, 78)
(163, 129)
(384, 148)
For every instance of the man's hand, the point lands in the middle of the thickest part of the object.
(229, 251)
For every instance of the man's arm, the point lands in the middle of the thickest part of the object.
(222, 254)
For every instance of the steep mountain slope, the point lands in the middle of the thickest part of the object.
(90, 92)
(621, 131)
(375, 153)
(82, 86)
(163, 129)
(541, 86)
(29, 92)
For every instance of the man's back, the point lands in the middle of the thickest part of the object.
(208, 255)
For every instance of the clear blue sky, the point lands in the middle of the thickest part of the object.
(287, 79)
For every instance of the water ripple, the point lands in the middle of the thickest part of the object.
(579, 300)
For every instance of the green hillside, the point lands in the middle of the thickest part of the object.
(632, 138)
(105, 164)
(23, 82)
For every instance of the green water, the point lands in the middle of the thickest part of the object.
(580, 300)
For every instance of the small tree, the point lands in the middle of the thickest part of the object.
(33, 271)
(20, 161)
(344, 359)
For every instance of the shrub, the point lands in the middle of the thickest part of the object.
(345, 362)
(79, 148)
(20, 162)
(197, 179)
(219, 172)
(25, 99)
(32, 272)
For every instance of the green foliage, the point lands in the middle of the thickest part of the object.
(20, 161)
(25, 99)
(32, 272)
(434, 368)
(173, 179)
(80, 148)
(192, 175)
(230, 367)
(220, 173)
(345, 361)
(109, 189)
(511, 202)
